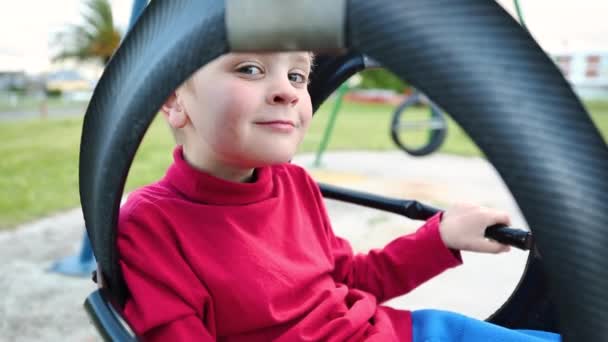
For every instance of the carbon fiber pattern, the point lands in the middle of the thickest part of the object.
(161, 51)
(489, 74)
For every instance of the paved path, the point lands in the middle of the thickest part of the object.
(64, 112)
(38, 305)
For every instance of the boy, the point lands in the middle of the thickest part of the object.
(234, 242)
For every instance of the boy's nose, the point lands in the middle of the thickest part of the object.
(283, 94)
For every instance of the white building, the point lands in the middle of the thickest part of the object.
(586, 70)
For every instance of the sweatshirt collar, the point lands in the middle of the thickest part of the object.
(200, 186)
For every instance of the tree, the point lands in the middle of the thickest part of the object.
(95, 38)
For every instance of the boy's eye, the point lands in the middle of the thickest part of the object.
(297, 78)
(249, 70)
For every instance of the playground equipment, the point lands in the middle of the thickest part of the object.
(339, 68)
(554, 172)
(400, 123)
(402, 127)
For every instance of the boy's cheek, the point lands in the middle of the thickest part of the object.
(306, 120)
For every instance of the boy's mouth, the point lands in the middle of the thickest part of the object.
(284, 126)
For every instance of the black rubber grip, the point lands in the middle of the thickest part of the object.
(517, 238)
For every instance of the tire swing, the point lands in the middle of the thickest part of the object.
(437, 126)
(471, 57)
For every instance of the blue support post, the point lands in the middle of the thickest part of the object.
(84, 263)
(79, 265)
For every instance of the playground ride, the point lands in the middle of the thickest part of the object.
(471, 57)
(405, 131)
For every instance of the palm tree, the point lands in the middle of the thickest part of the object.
(96, 38)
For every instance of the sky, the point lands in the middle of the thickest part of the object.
(26, 26)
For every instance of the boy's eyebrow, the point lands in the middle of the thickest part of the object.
(302, 58)
(306, 58)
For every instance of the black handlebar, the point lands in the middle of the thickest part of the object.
(415, 210)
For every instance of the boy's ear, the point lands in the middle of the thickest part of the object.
(174, 112)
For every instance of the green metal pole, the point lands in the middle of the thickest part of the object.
(520, 14)
(342, 90)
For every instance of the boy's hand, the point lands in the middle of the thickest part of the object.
(463, 226)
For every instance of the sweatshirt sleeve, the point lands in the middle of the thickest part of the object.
(167, 301)
(396, 269)
(399, 267)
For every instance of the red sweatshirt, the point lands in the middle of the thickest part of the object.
(206, 258)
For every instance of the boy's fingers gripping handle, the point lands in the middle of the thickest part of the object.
(517, 238)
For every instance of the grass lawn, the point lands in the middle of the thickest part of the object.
(39, 165)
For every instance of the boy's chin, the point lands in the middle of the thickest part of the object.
(274, 159)
(278, 160)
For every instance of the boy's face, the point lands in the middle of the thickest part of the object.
(246, 110)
